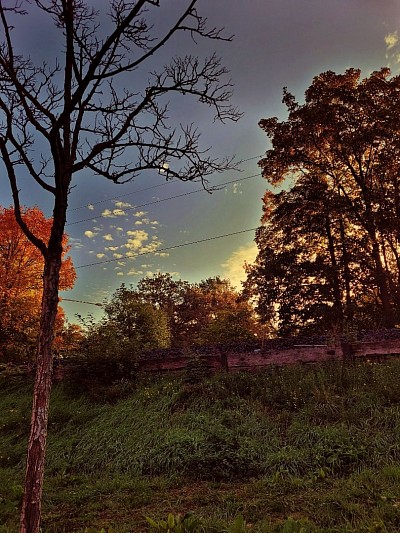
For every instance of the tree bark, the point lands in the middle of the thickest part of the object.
(31, 505)
(337, 293)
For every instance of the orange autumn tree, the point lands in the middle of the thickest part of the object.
(21, 284)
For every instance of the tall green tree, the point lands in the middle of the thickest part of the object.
(344, 138)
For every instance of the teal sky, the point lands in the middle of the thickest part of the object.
(277, 43)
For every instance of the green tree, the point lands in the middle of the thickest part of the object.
(91, 105)
(206, 306)
(167, 294)
(138, 326)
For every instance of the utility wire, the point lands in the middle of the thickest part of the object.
(216, 188)
(145, 189)
(173, 247)
(80, 302)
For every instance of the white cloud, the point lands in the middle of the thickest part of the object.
(90, 207)
(120, 273)
(119, 212)
(136, 240)
(122, 204)
(100, 255)
(112, 248)
(138, 223)
(107, 213)
(234, 265)
(119, 229)
(162, 254)
(118, 256)
(236, 188)
(90, 234)
(108, 237)
(391, 39)
(139, 213)
(76, 243)
(134, 272)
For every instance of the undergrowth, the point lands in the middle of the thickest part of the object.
(302, 448)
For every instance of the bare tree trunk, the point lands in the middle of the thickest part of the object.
(31, 506)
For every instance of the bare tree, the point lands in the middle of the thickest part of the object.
(87, 119)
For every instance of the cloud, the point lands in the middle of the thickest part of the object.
(134, 272)
(90, 207)
(90, 234)
(108, 237)
(122, 204)
(236, 188)
(234, 265)
(118, 256)
(391, 39)
(138, 223)
(107, 213)
(76, 243)
(139, 213)
(112, 248)
(119, 212)
(120, 273)
(100, 256)
(138, 237)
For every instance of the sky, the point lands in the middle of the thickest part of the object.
(121, 233)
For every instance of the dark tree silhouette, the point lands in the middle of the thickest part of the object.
(60, 118)
(346, 137)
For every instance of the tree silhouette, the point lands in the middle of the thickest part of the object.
(346, 135)
(60, 118)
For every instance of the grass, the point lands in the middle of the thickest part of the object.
(298, 449)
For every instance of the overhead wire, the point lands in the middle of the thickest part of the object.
(168, 248)
(131, 208)
(169, 182)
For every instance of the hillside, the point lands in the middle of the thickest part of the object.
(311, 448)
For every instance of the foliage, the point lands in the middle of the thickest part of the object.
(178, 524)
(21, 283)
(161, 311)
(110, 349)
(140, 324)
(211, 312)
(328, 246)
(312, 448)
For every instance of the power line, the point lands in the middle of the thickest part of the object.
(80, 302)
(145, 189)
(216, 188)
(173, 247)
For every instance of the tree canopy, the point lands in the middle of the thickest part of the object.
(21, 280)
(329, 244)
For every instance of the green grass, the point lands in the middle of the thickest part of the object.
(304, 448)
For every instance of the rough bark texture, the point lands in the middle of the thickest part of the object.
(31, 506)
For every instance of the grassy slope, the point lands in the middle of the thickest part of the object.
(320, 444)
